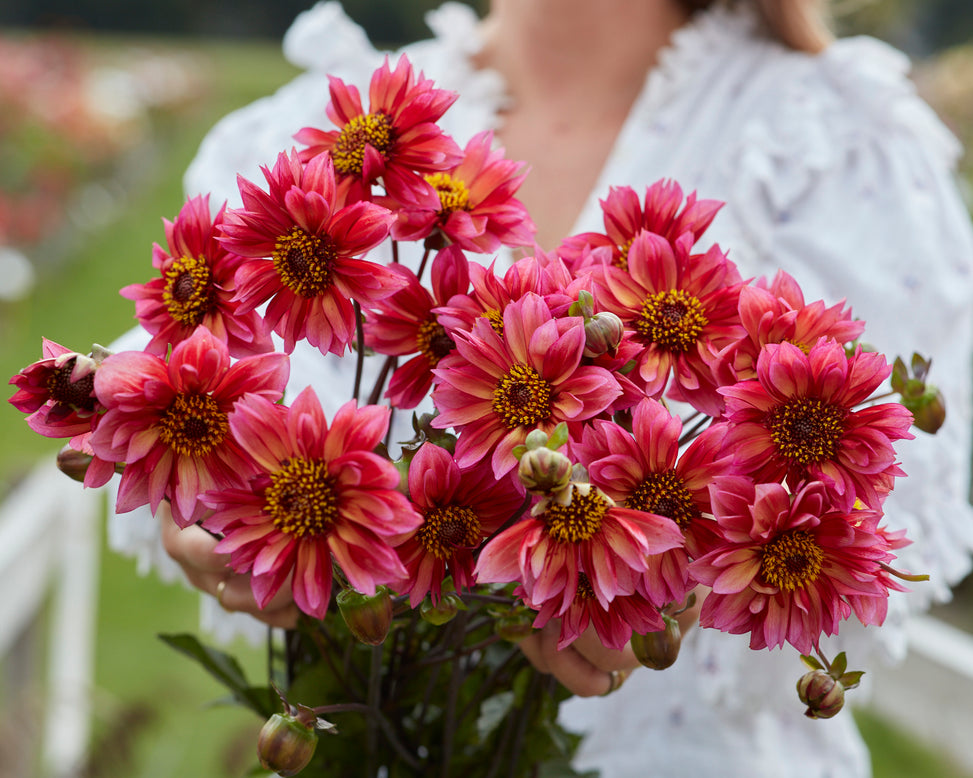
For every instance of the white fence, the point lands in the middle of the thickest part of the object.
(49, 549)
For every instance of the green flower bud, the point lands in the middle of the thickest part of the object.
(368, 617)
(542, 470)
(514, 625)
(823, 695)
(444, 611)
(603, 334)
(286, 744)
(928, 411)
(658, 650)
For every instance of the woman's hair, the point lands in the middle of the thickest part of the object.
(800, 24)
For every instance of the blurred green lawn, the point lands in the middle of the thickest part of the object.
(153, 713)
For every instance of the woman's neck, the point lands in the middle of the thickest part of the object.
(558, 51)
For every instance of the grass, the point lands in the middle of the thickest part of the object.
(153, 709)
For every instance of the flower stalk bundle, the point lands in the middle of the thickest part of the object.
(605, 432)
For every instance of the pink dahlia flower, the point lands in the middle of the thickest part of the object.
(613, 624)
(663, 213)
(776, 312)
(196, 288)
(475, 208)
(683, 311)
(168, 422)
(301, 250)
(459, 508)
(790, 565)
(800, 420)
(578, 538)
(319, 494)
(58, 392)
(643, 470)
(493, 390)
(397, 140)
(404, 323)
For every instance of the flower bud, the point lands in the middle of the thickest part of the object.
(603, 333)
(514, 625)
(823, 695)
(444, 611)
(73, 463)
(286, 744)
(369, 618)
(929, 410)
(658, 650)
(542, 470)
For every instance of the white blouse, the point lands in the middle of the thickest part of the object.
(832, 169)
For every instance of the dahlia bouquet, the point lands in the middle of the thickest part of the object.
(599, 435)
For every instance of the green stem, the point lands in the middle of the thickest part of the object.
(360, 356)
(383, 723)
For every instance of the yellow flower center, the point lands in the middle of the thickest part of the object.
(664, 494)
(578, 521)
(78, 393)
(348, 154)
(433, 342)
(303, 262)
(188, 292)
(806, 429)
(495, 318)
(445, 529)
(621, 259)
(302, 498)
(453, 194)
(791, 561)
(193, 425)
(522, 398)
(672, 320)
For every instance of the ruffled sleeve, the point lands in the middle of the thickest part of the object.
(846, 180)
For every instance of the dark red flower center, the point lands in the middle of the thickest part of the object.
(433, 342)
(584, 591)
(188, 293)
(193, 425)
(806, 429)
(453, 194)
(664, 494)
(302, 498)
(580, 519)
(445, 529)
(348, 154)
(77, 394)
(304, 262)
(672, 320)
(522, 398)
(791, 561)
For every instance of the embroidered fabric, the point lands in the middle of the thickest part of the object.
(832, 169)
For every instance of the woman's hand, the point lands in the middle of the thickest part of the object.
(586, 667)
(193, 549)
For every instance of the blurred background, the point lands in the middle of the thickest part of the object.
(102, 106)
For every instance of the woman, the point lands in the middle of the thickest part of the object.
(831, 169)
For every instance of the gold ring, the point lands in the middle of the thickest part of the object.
(615, 680)
(220, 589)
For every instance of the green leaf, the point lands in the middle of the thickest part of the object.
(493, 711)
(852, 679)
(225, 669)
(839, 664)
(811, 662)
